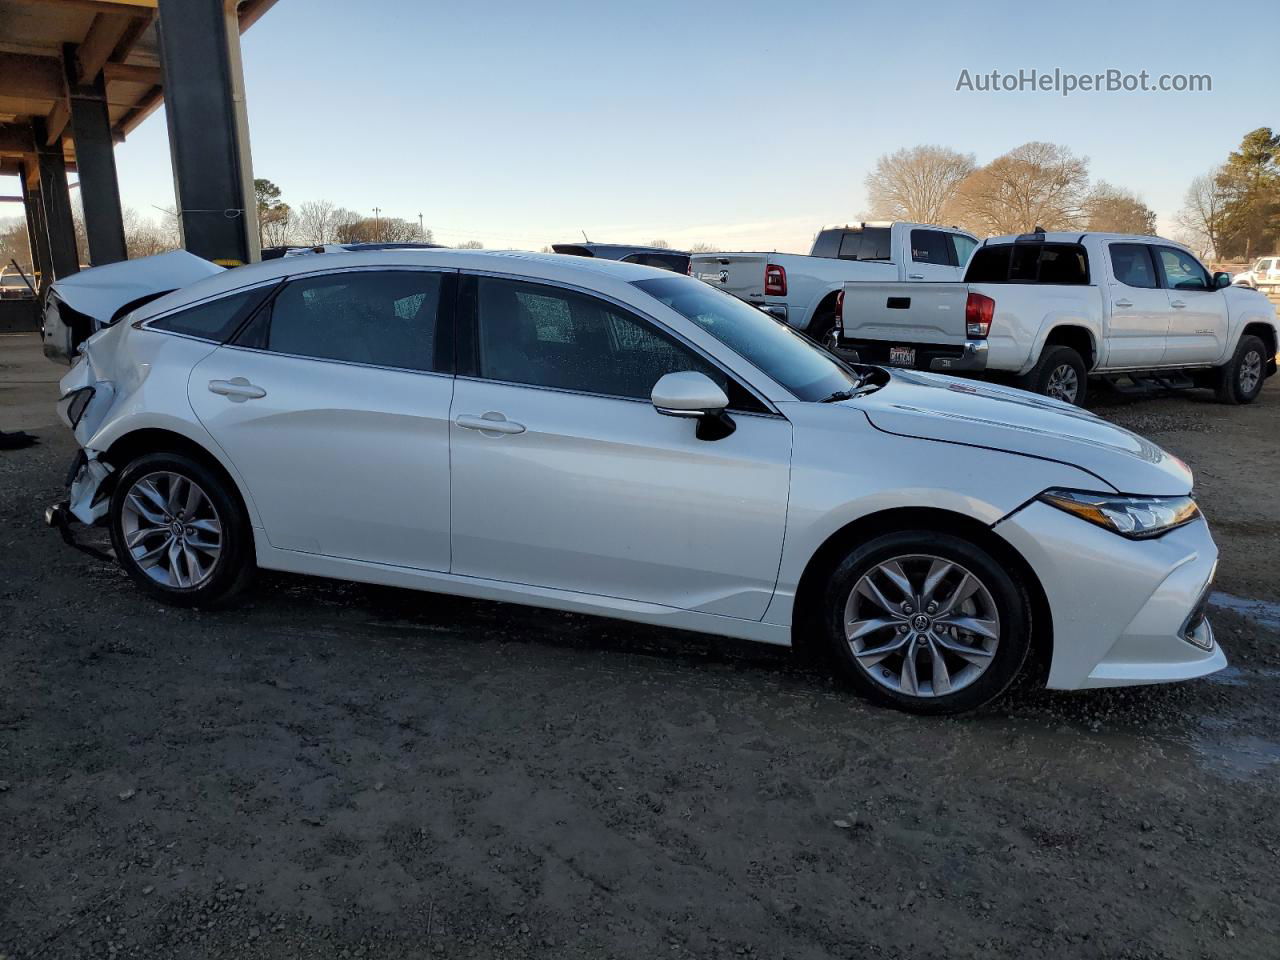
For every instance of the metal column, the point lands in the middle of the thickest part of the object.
(96, 165)
(37, 238)
(55, 204)
(208, 137)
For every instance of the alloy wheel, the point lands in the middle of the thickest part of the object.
(1063, 383)
(172, 530)
(922, 625)
(1250, 372)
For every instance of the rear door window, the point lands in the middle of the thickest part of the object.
(1132, 265)
(931, 246)
(385, 318)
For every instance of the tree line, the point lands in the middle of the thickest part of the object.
(1233, 211)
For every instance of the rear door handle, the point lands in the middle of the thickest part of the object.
(491, 423)
(1124, 303)
(915, 276)
(237, 389)
(1177, 304)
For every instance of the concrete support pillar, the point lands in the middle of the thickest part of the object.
(96, 165)
(55, 204)
(37, 238)
(208, 133)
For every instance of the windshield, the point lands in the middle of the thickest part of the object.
(807, 371)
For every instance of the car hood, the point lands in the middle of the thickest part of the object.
(954, 410)
(100, 291)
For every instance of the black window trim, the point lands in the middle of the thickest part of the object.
(146, 322)
(1164, 277)
(447, 313)
(466, 341)
(1088, 266)
(1156, 272)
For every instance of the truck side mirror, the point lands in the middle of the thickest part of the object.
(1221, 280)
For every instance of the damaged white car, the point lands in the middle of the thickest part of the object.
(602, 437)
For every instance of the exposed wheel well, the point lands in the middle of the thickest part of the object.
(805, 636)
(1264, 332)
(154, 440)
(826, 305)
(1078, 339)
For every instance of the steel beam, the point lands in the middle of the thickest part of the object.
(96, 162)
(55, 204)
(37, 238)
(208, 137)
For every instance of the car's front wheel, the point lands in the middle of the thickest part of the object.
(1240, 381)
(927, 622)
(180, 532)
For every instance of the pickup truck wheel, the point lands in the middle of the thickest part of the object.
(927, 622)
(179, 533)
(1240, 381)
(1060, 374)
(822, 328)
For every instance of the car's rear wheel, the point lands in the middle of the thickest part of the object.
(180, 532)
(927, 622)
(1060, 374)
(1240, 381)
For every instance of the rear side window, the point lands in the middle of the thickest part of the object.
(214, 320)
(1057, 263)
(930, 246)
(869, 243)
(383, 318)
(1131, 263)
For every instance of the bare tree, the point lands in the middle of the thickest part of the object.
(470, 245)
(660, 244)
(1034, 185)
(1202, 221)
(314, 222)
(144, 237)
(916, 183)
(701, 247)
(13, 243)
(1110, 209)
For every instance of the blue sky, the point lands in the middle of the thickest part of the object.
(743, 124)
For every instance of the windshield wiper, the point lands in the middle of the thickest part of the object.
(839, 395)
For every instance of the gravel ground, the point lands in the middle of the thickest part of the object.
(336, 770)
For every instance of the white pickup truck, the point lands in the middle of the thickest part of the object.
(1047, 310)
(802, 290)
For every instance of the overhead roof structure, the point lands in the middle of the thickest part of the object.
(116, 37)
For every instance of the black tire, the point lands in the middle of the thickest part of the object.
(1052, 366)
(1232, 386)
(821, 328)
(224, 574)
(915, 550)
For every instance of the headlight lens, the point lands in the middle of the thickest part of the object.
(1134, 517)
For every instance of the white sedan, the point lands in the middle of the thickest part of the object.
(613, 439)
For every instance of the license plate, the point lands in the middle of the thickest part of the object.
(902, 356)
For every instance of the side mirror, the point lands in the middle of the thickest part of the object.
(1221, 280)
(694, 396)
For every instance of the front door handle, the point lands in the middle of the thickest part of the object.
(915, 276)
(237, 389)
(491, 423)
(1177, 304)
(1124, 303)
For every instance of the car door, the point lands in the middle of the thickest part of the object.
(565, 476)
(333, 404)
(1198, 310)
(932, 256)
(1138, 308)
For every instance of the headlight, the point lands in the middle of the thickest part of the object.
(1134, 517)
(74, 404)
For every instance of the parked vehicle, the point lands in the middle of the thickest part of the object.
(1049, 310)
(275, 253)
(16, 285)
(663, 258)
(80, 305)
(614, 439)
(802, 290)
(1264, 273)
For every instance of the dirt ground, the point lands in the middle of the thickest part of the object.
(335, 770)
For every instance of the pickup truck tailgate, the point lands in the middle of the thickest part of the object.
(905, 313)
(741, 274)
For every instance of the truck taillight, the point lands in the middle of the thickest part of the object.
(775, 281)
(978, 311)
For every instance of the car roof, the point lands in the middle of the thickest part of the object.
(1078, 236)
(587, 271)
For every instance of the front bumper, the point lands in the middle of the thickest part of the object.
(1124, 611)
(967, 357)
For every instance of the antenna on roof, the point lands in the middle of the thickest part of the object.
(585, 238)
